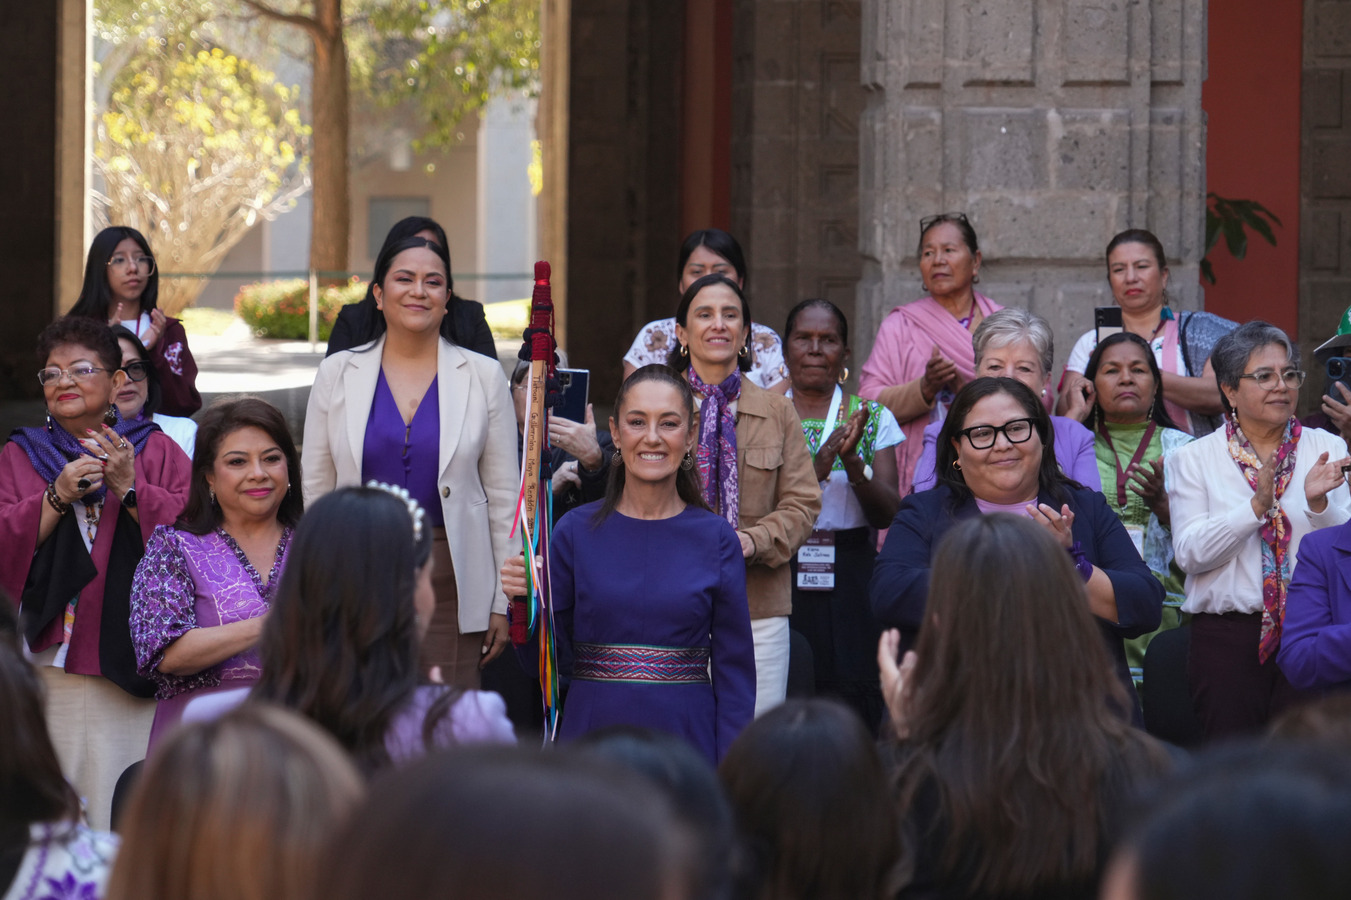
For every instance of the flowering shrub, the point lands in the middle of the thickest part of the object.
(281, 309)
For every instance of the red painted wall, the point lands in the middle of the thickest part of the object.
(1252, 101)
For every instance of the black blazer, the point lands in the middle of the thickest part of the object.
(900, 582)
(464, 325)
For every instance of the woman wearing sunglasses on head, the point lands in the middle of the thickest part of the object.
(996, 454)
(141, 395)
(121, 287)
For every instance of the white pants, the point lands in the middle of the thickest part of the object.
(98, 730)
(771, 662)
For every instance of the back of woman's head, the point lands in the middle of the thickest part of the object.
(509, 824)
(32, 788)
(341, 645)
(1014, 713)
(95, 295)
(239, 808)
(810, 798)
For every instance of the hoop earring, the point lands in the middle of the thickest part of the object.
(688, 462)
(975, 279)
(617, 459)
(956, 465)
(745, 350)
(844, 375)
(684, 351)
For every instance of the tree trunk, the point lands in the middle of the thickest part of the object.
(332, 211)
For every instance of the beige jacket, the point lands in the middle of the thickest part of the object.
(479, 473)
(780, 498)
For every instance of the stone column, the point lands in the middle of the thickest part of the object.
(1053, 124)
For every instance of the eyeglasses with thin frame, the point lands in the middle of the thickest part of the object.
(1270, 379)
(77, 372)
(982, 437)
(929, 221)
(143, 264)
(138, 370)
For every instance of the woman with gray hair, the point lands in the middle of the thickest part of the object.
(1018, 344)
(1241, 499)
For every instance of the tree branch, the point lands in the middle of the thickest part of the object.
(309, 24)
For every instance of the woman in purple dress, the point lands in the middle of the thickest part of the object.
(663, 638)
(204, 586)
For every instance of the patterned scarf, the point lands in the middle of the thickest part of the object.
(1275, 529)
(717, 443)
(50, 449)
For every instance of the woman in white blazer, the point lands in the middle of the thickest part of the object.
(414, 410)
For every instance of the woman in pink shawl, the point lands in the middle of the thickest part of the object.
(923, 354)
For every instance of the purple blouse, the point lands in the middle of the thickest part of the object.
(477, 717)
(406, 456)
(188, 581)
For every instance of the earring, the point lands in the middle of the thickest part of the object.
(844, 375)
(956, 465)
(212, 492)
(688, 462)
(975, 279)
(745, 350)
(617, 459)
(684, 351)
(49, 424)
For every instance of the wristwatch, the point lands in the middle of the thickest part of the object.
(129, 499)
(867, 476)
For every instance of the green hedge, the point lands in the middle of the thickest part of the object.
(281, 309)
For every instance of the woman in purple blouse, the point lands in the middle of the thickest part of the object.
(203, 588)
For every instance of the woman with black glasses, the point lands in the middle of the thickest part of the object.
(141, 395)
(996, 455)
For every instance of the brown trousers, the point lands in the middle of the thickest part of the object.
(457, 654)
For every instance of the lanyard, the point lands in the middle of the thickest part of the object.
(1135, 460)
(827, 425)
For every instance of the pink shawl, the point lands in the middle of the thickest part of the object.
(904, 343)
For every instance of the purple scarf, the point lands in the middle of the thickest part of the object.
(50, 449)
(717, 443)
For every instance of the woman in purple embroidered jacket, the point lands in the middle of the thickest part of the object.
(649, 586)
(203, 588)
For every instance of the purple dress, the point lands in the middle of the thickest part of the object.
(188, 581)
(654, 626)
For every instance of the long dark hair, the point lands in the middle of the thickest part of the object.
(1050, 480)
(154, 394)
(810, 797)
(1158, 413)
(680, 362)
(341, 644)
(718, 241)
(1014, 715)
(31, 783)
(221, 419)
(95, 296)
(401, 231)
(687, 480)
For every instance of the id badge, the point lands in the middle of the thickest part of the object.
(1137, 533)
(816, 562)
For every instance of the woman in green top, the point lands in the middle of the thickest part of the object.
(1132, 434)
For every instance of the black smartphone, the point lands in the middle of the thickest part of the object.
(574, 385)
(1107, 321)
(1338, 369)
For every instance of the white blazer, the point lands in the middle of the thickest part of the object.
(480, 475)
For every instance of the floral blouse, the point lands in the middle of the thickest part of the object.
(657, 339)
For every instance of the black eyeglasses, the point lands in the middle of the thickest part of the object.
(137, 371)
(929, 221)
(982, 437)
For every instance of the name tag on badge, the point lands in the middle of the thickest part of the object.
(816, 562)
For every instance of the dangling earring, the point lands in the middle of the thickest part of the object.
(975, 279)
(684, 351)
(212, 492)
(50, 430)
(1149, 416)
(844, 375)
(617, 459)
(688, 462)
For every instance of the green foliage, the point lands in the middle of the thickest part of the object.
(1232, 219)
(281, 309)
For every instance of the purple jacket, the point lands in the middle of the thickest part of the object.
(1315, 647)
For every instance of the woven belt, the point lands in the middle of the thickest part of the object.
(640, 664)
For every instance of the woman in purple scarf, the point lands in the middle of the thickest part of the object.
(753, 463)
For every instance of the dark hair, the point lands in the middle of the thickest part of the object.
(1138, 236)
(1326, 721)
(341, 644)
(688, 485)
(154, 394)
(1050, 479)
(718, 241)
(1246, 821)
(95, 296)
(818, 303)
(508, 823)
(31, 783)
(389, 252)
(1158, 413)
(680, 362)
(401, 231)
(811, 800)
(1014, 715)
(958, 221)
(78, 331)
(690, 785)
(1231, 353)
(220, 420)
